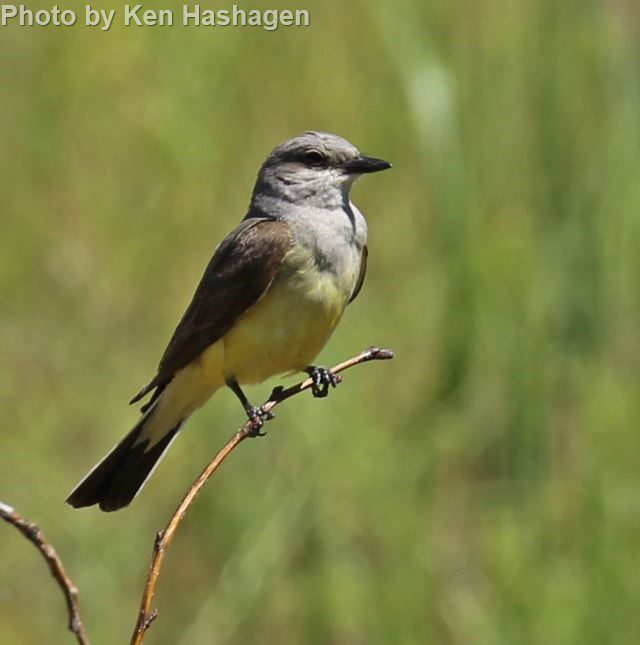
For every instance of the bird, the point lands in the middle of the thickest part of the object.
(268, 301)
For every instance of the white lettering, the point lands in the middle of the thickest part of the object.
(270, 19)
(102, 17)
(165, 17)
(132, 14)
(286, 18)
(208, 18)
(149, 17)
(42, 17)
(239, 16)
(91, 16)
(8, 11)
(187, 15)
(107, 18)
(302, 13)
(68, 17)
(255, 18)
(223, 18)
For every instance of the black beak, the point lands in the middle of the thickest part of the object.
(363, 165)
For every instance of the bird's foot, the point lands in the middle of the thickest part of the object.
(322, 378)
(257, 416)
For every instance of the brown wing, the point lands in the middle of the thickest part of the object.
(363, 271)
(240, 271)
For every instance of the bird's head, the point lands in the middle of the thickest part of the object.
(314, 168)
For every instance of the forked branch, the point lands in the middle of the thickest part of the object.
(146, 614)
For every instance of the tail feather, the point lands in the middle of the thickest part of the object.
(119, 477)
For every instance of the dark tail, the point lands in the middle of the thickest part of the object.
(118, 478)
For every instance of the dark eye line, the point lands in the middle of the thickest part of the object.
(314, 158)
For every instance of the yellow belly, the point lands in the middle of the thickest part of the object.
(283, 332)
(286, 329)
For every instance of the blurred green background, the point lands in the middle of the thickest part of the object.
(484, 487)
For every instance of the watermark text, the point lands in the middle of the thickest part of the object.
(138, 15)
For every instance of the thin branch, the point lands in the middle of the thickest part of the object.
(33, 533)
(147, 615)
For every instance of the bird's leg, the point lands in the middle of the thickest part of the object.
(322, 378)
(256, 413)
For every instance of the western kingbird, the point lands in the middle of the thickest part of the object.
(267, 303)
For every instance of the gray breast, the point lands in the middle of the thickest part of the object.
(334, 237)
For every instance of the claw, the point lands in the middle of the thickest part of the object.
(257, 416)
(322, 378)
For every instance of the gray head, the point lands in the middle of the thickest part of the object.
(313, 169)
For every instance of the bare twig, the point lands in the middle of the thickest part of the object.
(33, 533)
(147, 615)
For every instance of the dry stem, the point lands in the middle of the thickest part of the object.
(33, 533)
(147, 615)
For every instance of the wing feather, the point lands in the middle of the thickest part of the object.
(363, 272)
(239, 273)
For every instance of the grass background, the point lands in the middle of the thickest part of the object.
(484, 487)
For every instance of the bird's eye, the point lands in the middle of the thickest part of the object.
(313, 158)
